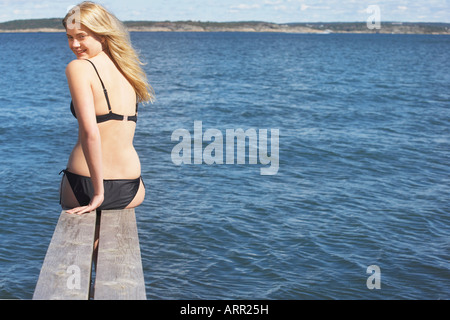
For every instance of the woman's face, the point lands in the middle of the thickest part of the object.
(84, 43)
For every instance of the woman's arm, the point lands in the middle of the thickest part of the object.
(77, 73)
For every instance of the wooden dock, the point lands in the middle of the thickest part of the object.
(70, 262)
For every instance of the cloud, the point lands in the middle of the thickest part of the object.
(282, 8)
(244, 6)
(273, 2)
(305, 7)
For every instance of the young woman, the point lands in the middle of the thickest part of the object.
(106, 83)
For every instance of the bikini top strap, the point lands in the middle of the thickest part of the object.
(103, 86)
(137, 105)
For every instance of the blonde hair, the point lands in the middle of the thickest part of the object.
(117, 44)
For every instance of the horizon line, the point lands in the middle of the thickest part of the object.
(239, 21)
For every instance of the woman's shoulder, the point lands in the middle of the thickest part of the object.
(77, 66)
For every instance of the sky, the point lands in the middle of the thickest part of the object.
(277, 11)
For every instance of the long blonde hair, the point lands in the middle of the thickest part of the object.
(117, 44)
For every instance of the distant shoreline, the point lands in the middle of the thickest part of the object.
(54, 25)
(228, 30)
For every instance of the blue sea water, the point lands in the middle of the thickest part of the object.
(363, 178)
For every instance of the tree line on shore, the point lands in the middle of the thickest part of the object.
(54, 24)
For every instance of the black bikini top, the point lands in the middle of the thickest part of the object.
(111, 115)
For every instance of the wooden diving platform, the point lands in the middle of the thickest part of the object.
(71, 263)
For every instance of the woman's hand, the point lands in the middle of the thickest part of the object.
(96, 201)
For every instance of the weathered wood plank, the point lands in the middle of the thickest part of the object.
(119, 274)
(66, 270)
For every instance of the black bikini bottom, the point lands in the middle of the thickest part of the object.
(118, 192)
